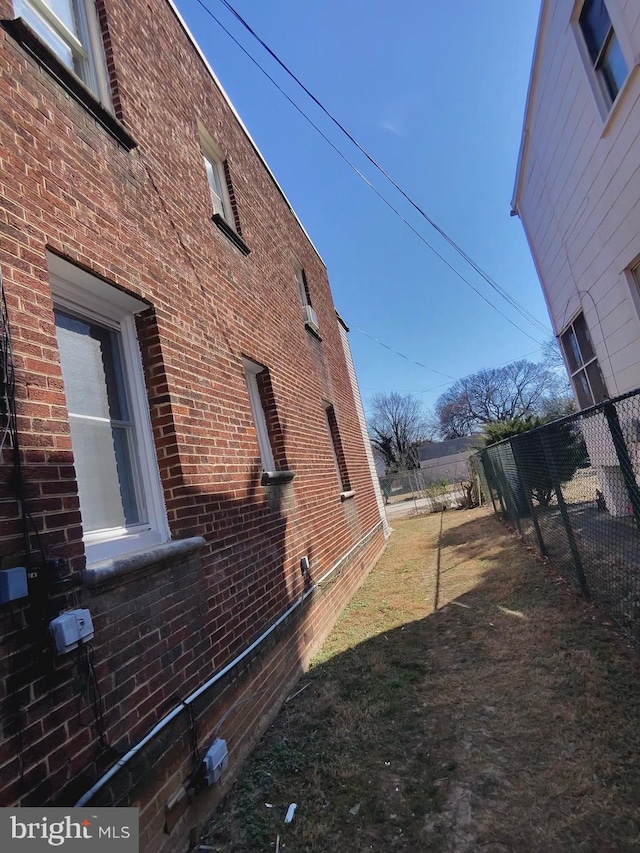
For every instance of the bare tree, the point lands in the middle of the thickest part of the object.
(397, 426)
(552, 354)
(559, 400)
(495, 395)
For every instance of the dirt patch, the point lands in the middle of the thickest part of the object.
(466, 700)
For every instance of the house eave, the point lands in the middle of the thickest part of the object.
(523, 153)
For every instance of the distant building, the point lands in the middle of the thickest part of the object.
(446, 460)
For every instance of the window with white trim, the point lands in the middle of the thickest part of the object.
(70, 29)
(582, 363)
(218, 192)
(336, 447)
(308, 311)
(259, 410)
(121, 501)
(221, 193)
(603, 48)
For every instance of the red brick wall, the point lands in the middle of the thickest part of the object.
(141, 220)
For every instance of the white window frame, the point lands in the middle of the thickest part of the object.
(582, 368)
(301, 282)
(345, 487)
(332, 444)
(87, 47)
(308, 312)
(212, 155)
(251, 371)
(79, 292)
(595, 75)
(631, 276)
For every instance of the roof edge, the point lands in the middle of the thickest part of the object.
(342, 321)
(243, 127)
(533, 82)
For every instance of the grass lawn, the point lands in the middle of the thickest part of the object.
(466, 700)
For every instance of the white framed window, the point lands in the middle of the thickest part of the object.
(308, 311)
(582, 363)
(214, 166)
(70, 29)
(602, 49)
(336, 447)
(251, 373)
(303, 287)
(121, 501)
(218, 188)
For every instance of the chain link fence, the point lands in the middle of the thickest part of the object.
(440, 485)
(571, 489)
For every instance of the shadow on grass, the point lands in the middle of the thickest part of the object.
(506, 720)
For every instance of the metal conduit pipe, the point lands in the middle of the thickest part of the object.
(84, 799)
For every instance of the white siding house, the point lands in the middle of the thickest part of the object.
(577, 188)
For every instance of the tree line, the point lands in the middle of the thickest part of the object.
(494, 402)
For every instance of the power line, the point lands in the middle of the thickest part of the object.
(524, 312)
(502, 364)
(432, 369)
(402, 355)
(441, 384)
(365, 179)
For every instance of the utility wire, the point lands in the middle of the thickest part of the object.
(441, 384)
(365, 179)
(524, 312)
(495, 367)
(402, 355)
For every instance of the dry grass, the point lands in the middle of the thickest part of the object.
(582, 487)
(465, 701)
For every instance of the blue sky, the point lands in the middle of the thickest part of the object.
(435, 92)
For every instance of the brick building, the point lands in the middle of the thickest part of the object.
(184, 448)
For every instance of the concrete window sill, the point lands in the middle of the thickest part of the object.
(276, 478)
(313, 332)
(107, 571)
(230, 234)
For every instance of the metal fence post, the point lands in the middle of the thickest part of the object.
(499, 484)
(517, 455)
(622, 452)
(489, 476)
(511, 497)
(562, 506)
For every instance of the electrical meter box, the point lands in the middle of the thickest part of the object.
(216, 760)
(71, 628)
(13, 584)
